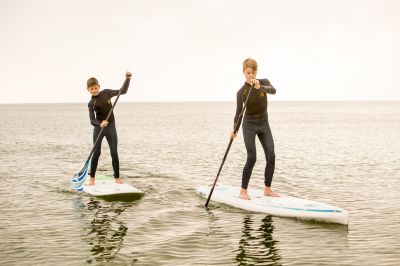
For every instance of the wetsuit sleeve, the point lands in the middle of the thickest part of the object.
(111, 93)
(93, 120)
(125, 86)
(267, 87)
(239, 106)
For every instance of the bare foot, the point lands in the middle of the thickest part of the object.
(91, 181)
(268, 192)
(243, 194)
(119, 181)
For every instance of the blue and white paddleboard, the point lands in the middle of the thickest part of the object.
(106, 186)
(283, 206)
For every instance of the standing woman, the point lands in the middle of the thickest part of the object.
(255, 122)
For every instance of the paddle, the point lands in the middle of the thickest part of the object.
(237, 126)
(80, 177)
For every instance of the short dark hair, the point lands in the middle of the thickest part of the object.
(92, 82)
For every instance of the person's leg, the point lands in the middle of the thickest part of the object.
(249, 135)
(267, 142)
(96, 154)
(112, 139)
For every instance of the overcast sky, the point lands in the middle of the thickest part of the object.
(187, 50)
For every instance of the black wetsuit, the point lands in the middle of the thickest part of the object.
(101, 105)
(255, 122)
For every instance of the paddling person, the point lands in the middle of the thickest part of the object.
(255, 122)
(99, 107)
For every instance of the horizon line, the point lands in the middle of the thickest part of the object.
(344, 100)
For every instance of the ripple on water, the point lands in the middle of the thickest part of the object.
(327, 152)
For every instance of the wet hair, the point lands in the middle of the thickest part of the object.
(250, 62)
(92, 82)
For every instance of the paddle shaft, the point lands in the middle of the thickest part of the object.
(102, 129)
(236, 129)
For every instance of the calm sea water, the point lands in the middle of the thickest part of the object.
(342, 153)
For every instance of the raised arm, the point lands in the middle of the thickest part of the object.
(124, 88)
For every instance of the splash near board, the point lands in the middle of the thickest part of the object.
(283, 206)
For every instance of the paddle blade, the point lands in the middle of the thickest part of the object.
(80, 177)
(78, 185)
(82, 173)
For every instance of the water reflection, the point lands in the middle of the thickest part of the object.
(257, 246)
(106, 230)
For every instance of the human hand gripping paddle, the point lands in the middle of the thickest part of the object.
(236, 129)
(80, 177)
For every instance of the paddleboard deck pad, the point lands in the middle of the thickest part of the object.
(283, 206)
(106, 186)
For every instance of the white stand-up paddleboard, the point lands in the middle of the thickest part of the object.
(283, 206)
(106, 186)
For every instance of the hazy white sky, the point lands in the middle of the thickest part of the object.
(187, 50)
